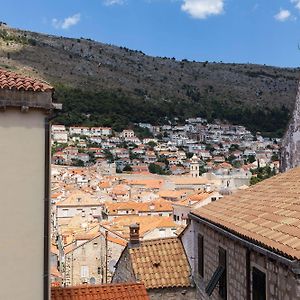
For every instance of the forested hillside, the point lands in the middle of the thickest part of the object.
(102, 84)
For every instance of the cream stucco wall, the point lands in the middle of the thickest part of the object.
(22, 155)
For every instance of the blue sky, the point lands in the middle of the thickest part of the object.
(241, 31)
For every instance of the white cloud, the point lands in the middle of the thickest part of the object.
(297, 3)
(201, 9)
(113, 2)
(67, 22)
(283, 15)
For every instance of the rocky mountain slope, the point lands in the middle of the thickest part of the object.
(104, 84)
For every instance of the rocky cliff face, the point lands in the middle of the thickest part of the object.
(290, 152)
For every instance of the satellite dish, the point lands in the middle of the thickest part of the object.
(92, 280)
(112, 266)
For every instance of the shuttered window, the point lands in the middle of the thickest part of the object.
(223, 278)
(258, 284)
(200, 255)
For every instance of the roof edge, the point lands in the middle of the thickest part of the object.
(289, 261)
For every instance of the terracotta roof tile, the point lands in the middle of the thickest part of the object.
(120, 225)
(267, 213)
(120, 291)
(159, 205)
(11, 80)
(161, 263)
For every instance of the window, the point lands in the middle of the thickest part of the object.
(200, 255)
(223, 279)
(162, 232)
(219, 276)
(258, 284)
(84, 272)
(65, 212)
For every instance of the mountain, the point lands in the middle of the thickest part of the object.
(109, 85)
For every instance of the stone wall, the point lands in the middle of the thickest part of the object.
(92, 255)
(124, 271)
(290, 151)
(15, 98)
(173, 294)
(281, 282)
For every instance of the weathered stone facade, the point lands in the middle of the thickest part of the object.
(91, 255)
(173, 294)
(281, 282)
(290, 152)
(124, 271)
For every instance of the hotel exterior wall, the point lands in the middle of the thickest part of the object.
(281, 283)
(22, 176)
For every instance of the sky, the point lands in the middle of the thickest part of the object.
(239, 31)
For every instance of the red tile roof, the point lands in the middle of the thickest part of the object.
(267, 213)
(161, 263)
(120, 291)
(10, 80)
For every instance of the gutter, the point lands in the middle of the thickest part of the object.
(294, 265)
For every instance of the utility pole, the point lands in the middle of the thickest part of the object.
(106, 235)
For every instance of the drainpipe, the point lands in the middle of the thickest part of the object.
(106, 254)
(46, 277)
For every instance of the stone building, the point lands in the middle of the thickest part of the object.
(247, 245)
(25, 105)
(194, 167)
(91, 258)
(78, 202)
(160, 264)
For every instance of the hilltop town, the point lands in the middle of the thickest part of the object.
(103, 182)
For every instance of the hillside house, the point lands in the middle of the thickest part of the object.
(127, 133)
(59, 134)
(85, 131)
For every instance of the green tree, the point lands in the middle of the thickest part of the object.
(127, 168)
(156, 169)
(251, 159)
(151, 145)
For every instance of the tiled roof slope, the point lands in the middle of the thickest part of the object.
(10, 80)
(267, 213)
(120, 291)
(161, 263)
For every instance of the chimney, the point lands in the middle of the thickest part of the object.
(134, 235)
